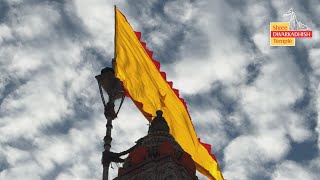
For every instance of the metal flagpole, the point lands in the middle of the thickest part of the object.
(110, 105)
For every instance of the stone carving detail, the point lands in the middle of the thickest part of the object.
(156, 166)
(157, 156)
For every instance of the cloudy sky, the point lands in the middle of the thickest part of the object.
(257, 105)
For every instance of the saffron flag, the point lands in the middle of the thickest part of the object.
(149, 90)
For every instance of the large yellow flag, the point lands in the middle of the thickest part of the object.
(149, 90)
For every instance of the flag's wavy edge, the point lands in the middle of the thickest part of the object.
(176, 91)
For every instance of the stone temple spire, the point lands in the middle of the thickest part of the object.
(159, 123)
(158, 156)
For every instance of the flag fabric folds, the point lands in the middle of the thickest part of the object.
(150, 91)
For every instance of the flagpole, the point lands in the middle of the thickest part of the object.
(107, 139)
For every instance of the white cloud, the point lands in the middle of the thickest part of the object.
(180, 11)
(29, 25)
(247, 154)
(261, 40)
(290, 170)
(215, 133)
(98, 17)
(268, 103)
(5, 33)
(226, 60)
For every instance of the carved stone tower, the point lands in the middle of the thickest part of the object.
(158, 156)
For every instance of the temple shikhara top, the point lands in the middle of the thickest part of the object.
(171, 149)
